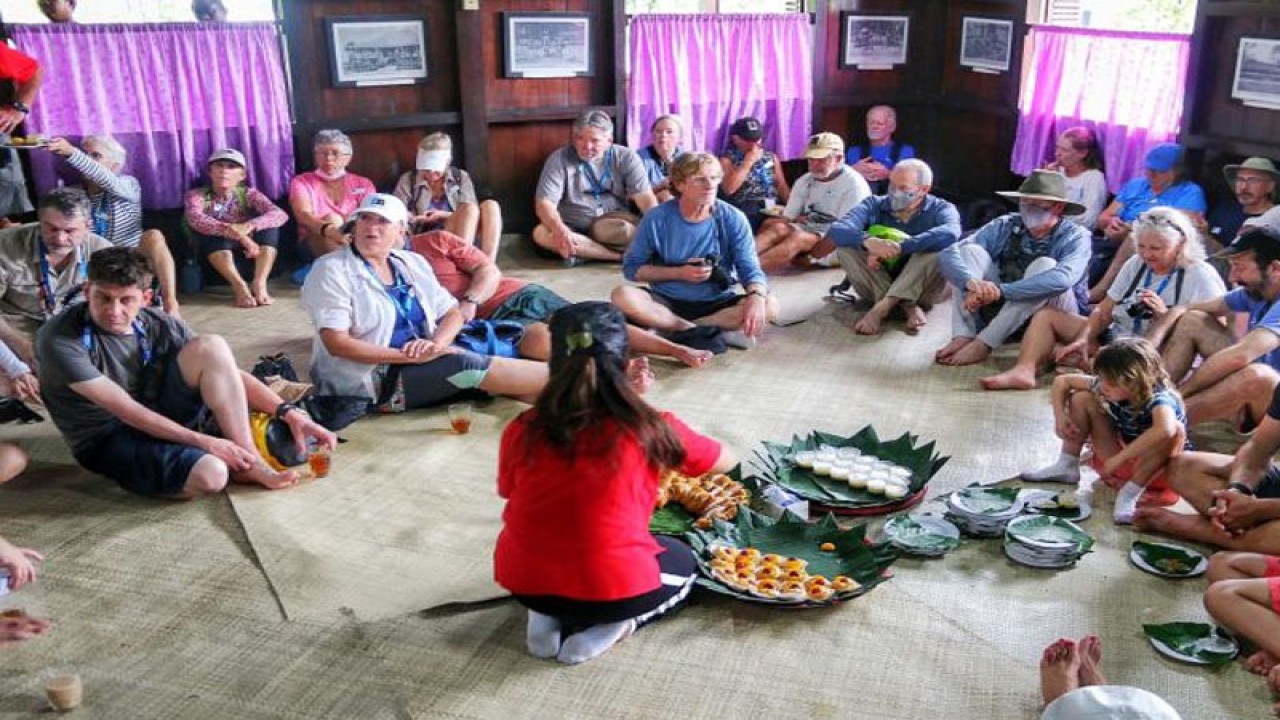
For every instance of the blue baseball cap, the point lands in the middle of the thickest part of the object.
(1163, 157)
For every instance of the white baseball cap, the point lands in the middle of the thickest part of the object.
(384, 205)
(230, 154)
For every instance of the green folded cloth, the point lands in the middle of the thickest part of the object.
(884, 232)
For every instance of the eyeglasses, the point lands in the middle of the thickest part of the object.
(1252, 180)
(332, 153)
(1147, 219)
(706, 179)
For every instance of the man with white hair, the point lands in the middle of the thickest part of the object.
(583, 195)
(828, 191)
(875, 161)
(116, 201)
(888, 247)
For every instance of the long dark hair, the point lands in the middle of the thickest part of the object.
(589, 386)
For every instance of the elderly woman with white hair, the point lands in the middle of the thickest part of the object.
(116, 201)
(1168, 269)
(323, 198)
(441, 196)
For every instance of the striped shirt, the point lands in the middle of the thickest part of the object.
(117, 208)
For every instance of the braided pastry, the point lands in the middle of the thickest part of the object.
(708, 497)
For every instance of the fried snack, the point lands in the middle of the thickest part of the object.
(709, 497)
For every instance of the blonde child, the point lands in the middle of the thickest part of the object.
(1131, 415)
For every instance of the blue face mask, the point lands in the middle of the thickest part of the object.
(1034, 217)
(900, 200)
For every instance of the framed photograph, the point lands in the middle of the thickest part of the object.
(367, 50)
(873, 41)
(547, 45)
(986, 44)
(1257, 79)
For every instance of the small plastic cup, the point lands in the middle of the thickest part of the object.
(460, 418)
(319, 460)
(65, 691)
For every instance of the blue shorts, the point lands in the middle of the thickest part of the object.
(142, 464)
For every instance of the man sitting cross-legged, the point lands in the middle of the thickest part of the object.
(1236, 377)
(133, 390)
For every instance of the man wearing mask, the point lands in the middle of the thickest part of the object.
(1013, 266)
(896, 269)
(875, 161)
(828, 191)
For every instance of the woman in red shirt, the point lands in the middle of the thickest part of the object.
(580, 474)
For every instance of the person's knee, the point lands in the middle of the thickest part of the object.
(613, 233)
(1039, 265)
(208, 476)
(974, 255)
(13, 460)
(1221, 596)
(207, 346)
(542, 237)
(625, 297)
(1258, 381)
(1221, 566)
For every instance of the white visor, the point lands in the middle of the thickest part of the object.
(434, 160)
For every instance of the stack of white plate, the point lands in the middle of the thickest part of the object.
(923, 535)
(1043, 541)
(982, 512)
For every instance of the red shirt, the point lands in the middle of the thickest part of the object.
(16, 66)
(579, 527)
(453, 261)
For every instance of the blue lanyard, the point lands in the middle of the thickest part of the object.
(403, 302)
(144, 345)
(598, 184)
(1146, 283)
(47, 294)
(101, 219)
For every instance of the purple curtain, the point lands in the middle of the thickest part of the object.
(1127, 87)
(171, 93)
(713, 69)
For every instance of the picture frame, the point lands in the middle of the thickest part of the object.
(986, 44)
(1257, 75)
(547, 45)
(873, 42)
(377, 50)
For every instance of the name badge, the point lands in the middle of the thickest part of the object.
(599, 210)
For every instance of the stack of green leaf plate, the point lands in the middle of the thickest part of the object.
(779, 466)
(924, 535)
(1043, 541)
(822, 547)
(1194, 643)
(984, 511)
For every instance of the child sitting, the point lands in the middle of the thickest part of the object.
(228, 215)
(580, 473)
(1133, 417)
(1244, 596)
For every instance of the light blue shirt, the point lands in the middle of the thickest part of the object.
(1262, 314)
(935, 225)
(665, 238)
(1068, 244)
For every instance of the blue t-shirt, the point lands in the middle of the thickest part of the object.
(1136, 197)
(883, 154)
(1132, 421)
(665, 238)
(1262, 314)
(653, 166)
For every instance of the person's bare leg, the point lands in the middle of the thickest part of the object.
(583, 246)
(916, 317)
(1123, 253)
(13, 460)
(869, 324)
(463, 222)
(1229, 565)
(647, 343)
(771, 233)
(207, 477)
(157, 250)
(536, 343)
(791, 251)
(225, 264)
(262, 265)
(1059, 670)
(1048, 327)
(972, 353)
(208, 366)
(1244, 607)
(490, 231)
(640, 308)
(1247, 389)
(520, 379)
(730, 318)
(1195, 333)
(1091, 661)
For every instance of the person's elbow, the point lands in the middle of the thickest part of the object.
(725, 462)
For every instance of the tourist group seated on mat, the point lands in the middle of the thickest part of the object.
(1118, 305)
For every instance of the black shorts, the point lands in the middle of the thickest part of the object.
(678, 570)
(210, 244)
(408, 387)
(142, 464)
(694, 309)
(1270, 485)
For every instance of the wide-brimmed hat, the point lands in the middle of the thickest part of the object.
(1044, 185)
(823, 145)
(1257, 164)
(588, 328)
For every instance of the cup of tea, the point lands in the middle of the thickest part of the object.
(319, 460)
(460, 418)
(65, 691)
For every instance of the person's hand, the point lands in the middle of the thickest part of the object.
(304, 428)
(639, 375)
(695, 270)
(1079, 348)
(433, 216)
(822, 248)
(16, 626)
(1066, 429)
(754, 315)
(467, 309)
(236, 458)
(425, 350)
(241, 231)
(882, 249)
(877, 171)
(866, 167)
(18, 562)
(61, 146)
(26, 387)
(1116, 230)
(562, 236)
(10, 118)
(751, 156)
(251, 248)
(1153, 301)
(979, 293)
(1233, 512)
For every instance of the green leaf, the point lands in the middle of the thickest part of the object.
(1171, 559)
(989, 500)
(1045, 528)
(1198, 640)
(906, 530)
(671, 519)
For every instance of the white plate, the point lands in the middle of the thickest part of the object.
(1172, 654)
(1142, 564)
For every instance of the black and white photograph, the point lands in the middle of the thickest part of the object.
(1257, 79)
(377, 50)
(986, 44)
(546, 45)
(874, 40)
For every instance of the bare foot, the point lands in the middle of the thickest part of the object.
(692, 357)
(244, 298)
(916, 318)
(1188, 526)
(261, 295)
(971, 354)
(869, 324)
(950, 349)
(1059, 670)
(1013, 379)
(1090, 660)
(262, 475)
(1261, 662)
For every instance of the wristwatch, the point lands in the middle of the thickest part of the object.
(21, 107)
(760, 293)
(284, 408)
(1240, 488)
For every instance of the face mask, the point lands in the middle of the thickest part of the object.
(335, 175)
(1034, 217)
(900, 200)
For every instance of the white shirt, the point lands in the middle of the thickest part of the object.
(835, 197)
(342, 293)
(1200, 282)
(1089, 188)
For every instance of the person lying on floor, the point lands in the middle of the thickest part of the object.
(1074, 688)
(1244, 597)
(116, 201)
(484, 293)
(1237, 499)
(580, 473)
(385, 327)
(692, 251)
(143, 400)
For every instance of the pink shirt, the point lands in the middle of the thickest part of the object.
(208, 215)
(310, 186)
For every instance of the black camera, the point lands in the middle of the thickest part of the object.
(1139, 310)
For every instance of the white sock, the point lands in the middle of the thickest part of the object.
(583, 646)
(542, 635)
(1065, 470)
(1127, 503)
